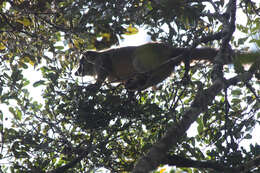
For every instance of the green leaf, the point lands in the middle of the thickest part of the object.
(149, 6)
(242, 28)
(200, 125)
(26, 82)
(236, 92)
(255, 41)
(248, 136)
(242, 40)
(38, 83)
(236, 101)
(17, 113)
(59, 47)
(2, 46)
(25, 22)
(11, 109)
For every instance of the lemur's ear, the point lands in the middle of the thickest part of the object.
(91, 55)
(86, 64)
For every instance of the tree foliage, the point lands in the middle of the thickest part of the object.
(72, 129)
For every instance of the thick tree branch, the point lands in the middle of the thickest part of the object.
(175, 160)
(245, 168)
(229, 26)
(157, 153)
(178, 161)
(204, 98)
(208, 38)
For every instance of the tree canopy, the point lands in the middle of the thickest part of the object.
(73, 129)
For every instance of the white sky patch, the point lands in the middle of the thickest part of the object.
(135, 40)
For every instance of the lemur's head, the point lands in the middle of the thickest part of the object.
(86, 64)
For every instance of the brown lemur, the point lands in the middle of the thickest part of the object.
(138, 67)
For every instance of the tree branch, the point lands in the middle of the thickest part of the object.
(255, 163)
(175, 160)
(157, 153)
(203, 99)
(14, 28)
(229, 26)
(253, 91)
(178, 161)
(70, 164)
